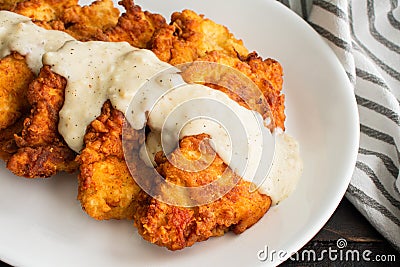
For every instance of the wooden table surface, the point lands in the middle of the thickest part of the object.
(360, 237)
(354, 235)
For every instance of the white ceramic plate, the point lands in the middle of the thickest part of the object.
(42, 224)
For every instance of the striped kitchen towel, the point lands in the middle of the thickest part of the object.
(365, 35)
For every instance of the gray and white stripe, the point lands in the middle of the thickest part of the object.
(365, 35)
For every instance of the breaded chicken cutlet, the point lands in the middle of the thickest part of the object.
(16, 77)
(107, 189)
(266, 74)
(29, 156)
(179, 227)
(41, 152)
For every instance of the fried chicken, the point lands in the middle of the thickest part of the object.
(106, 187)
(82, 22)
(135, 26)
(15, 78)
(130, 27)
(43, 10)
(251, 81)
(8, 147)
(8, 4)
(177, 227)
(191, 37)
(42, 151)
(90, 22)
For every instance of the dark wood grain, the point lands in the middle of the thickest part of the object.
(348, 224)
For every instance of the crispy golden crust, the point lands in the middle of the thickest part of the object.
(42, 151)
(43, 161)
(43, 10)
(178, 227)
(47, 92)
(15, 78)
(46, 95)
(135, 26)
(265, 74)
(8, 147)
(89, 22)
(9, 4)
(106, 187)
(190, 36)
(82, 22)
(189, 30)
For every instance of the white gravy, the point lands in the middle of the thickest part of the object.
(19, 34)
(98, 71)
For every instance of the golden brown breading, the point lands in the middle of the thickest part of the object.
(8, 147)
(8, 4)
(85, 23)
(106, 187)
(190, 36)
(42, 161)
(42, 151)
(43, 10)
(40, 139)
(266, 76)
(135, 26)
(15, 78)
(40, 129)
(179, 227)
(81, 22)
(46, 95)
